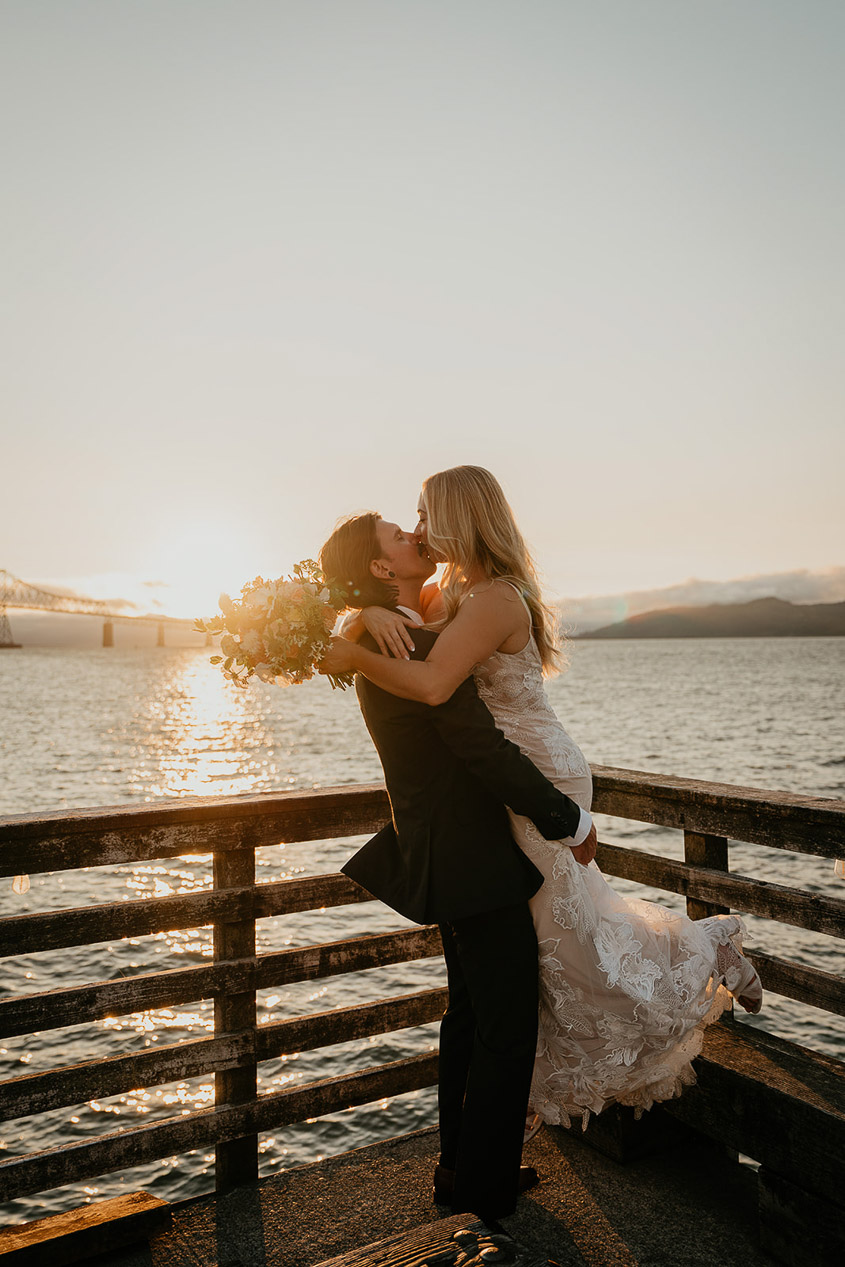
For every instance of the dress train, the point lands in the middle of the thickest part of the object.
(627, 987)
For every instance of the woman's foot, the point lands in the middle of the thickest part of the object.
(740, 977)
(750, 993)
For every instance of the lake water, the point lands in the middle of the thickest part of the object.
(86, 728)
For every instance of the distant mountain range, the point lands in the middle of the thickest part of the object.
(761, 618)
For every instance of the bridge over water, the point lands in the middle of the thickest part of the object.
(16, 593)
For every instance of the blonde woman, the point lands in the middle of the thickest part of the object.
(626, 987)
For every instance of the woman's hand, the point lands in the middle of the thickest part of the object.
(339, 658)
(391, 630)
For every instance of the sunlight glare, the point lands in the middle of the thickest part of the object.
(199, 559)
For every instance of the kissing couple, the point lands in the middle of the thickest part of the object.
(564, 995)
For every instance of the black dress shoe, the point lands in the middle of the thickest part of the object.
(444, 1184)
(493, 1225)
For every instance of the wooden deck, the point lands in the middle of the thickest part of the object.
(779, 1103)
(688, 1207)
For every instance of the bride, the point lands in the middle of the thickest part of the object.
(627, 987)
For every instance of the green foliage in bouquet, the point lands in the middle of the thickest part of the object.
(278, 630)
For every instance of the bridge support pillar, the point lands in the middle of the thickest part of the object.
(108, 633)
(160, 636)
(6, 638)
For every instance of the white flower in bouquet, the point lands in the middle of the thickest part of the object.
(278, 630)
(252, 643)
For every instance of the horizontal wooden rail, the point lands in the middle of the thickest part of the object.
(70, 1085)
(76, 1084)
(780, 820)
(119, 1150)
(69, 839)
(141, 917)
(773, 901)
(98, 1079)
(99, 837)
(308, 893)
(54, 1009)
(87, 925)
(342, 1025)
(374, 950)
(813, 986)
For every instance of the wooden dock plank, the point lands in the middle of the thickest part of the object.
(461, 1239)
(782, 1104)
(76, 1235)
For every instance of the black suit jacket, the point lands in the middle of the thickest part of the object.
(448, 851)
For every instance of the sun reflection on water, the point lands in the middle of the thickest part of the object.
(197, 728)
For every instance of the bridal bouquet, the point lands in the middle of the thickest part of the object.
(278, 630)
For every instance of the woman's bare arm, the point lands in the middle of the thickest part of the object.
(490, 616)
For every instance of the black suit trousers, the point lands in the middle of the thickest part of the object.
(488, 1039)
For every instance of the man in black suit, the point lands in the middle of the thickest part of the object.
(448, 856)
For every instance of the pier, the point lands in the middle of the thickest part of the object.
(775, 1102)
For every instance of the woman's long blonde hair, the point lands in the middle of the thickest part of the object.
(470, 523)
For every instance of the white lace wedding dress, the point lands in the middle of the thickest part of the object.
(627, 987)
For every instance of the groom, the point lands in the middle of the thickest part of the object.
(448, 857)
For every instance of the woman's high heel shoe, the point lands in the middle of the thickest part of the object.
(749, 993)
(740, 977)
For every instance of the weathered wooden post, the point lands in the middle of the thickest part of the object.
(108, 634)
(236, 1161)
(701, 850)
(160, 635)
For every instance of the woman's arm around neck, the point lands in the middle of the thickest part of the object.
(491, 617)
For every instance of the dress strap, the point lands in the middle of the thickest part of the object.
(521, 598)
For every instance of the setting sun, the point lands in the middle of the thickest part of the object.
(188, 570)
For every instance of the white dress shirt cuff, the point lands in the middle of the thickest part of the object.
(583, 830)
(343, 621)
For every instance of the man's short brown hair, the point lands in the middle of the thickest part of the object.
(346, 557)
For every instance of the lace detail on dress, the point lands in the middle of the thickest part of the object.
(626, 991)
(627, 987)
(513, 688)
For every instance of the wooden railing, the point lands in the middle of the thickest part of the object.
(231, 829)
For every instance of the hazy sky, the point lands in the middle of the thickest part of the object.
(266, 263)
